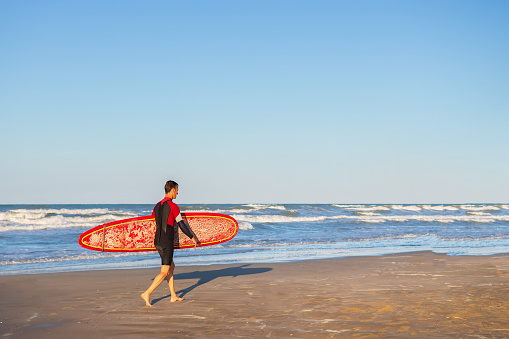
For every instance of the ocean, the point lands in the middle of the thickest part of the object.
(44, 238)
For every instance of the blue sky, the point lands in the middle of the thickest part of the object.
(254, 101)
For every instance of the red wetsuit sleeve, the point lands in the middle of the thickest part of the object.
(175, 211)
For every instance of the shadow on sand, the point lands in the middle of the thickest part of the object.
(207, 276)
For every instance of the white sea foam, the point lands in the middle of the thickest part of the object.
(256, 244)
(418, 208)
(374, 219)
(276, 218)
(250, 208)
(478, 213)
(370, 214)
(263, 206)
(430, 238)
(479, 208)
(91, 256)
(439, 208)
(413, 208)
(57, 221)
(368, 208)
(438, 218)
(245, 226)
(392, 237)
(478, 239)
(220, 211)
(37, 213)
(38, 219)
(407, 208)
(346, 206)
(31, 214)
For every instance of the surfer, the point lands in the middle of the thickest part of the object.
(167, 216)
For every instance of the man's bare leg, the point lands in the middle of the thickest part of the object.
(157, 281)
(171, 284)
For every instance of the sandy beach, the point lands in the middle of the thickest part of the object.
(414, 295)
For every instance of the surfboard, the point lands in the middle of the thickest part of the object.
(137, 234)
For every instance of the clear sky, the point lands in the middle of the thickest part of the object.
(292, 101)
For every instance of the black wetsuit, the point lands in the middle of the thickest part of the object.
(164, 238)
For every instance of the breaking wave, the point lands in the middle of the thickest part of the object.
(369, 217)
(39, 219)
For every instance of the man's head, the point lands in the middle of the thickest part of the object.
(170, 184)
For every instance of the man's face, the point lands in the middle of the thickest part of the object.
(174, 192)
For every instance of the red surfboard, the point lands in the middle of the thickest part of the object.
(137, 234)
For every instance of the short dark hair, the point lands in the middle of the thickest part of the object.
(170, 184)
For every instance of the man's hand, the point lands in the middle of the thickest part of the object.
(196, 241)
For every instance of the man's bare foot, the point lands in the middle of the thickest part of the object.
(173, 300)
(146, 298)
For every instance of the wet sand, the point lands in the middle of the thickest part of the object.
(415, 295)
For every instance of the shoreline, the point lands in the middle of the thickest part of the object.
(110, 267)
(415, 294)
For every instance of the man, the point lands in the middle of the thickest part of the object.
(167, 216)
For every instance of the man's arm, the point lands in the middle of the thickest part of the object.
(186, 229)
